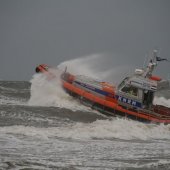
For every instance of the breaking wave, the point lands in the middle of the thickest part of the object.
(100, 129)
(116, 128)
(45, 93)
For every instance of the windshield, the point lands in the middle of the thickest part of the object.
(123, 82)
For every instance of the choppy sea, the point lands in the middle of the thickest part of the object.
(42, 128)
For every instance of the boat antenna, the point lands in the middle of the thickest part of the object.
(145, 60)
(65, 69)
(153, 63)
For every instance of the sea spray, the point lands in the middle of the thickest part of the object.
(95, 66)
(88, 65)
(51, 93)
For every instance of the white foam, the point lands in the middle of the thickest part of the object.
(118, 128)
(50, 93)
(11, 101)
(162, 101)
(102, 129)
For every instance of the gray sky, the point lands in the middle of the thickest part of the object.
(52, 31)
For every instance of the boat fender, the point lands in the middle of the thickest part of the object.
(156, 78)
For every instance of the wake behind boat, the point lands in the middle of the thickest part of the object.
(132, 98)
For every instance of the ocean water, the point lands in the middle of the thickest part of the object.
(43, 128)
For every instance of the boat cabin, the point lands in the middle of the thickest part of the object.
(136, 92)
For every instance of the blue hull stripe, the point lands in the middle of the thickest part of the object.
(104, 93)
(128, 101)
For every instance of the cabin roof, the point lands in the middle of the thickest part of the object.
(142, 82)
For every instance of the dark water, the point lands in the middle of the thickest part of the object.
(49, 130)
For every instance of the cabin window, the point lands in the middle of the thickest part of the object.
(130, 90)
(123, 83)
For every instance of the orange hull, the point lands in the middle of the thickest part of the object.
(113, 105)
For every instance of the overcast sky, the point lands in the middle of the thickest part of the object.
(53, 31)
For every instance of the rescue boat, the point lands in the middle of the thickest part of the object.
(132, 98)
